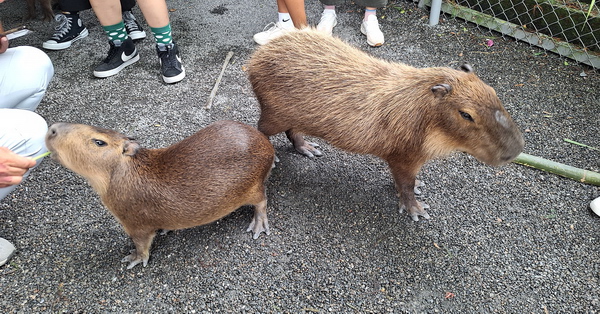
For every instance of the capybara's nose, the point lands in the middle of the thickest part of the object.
(54, 129)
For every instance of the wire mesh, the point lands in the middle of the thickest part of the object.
(568, 27)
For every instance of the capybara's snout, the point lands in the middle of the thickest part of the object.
(53, 132)
(54, 129)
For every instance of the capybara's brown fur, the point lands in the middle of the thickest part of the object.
(45, 5)
(193, 182)
(310, 83)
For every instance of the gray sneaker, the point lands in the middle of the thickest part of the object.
(6, 251)
(132, 26)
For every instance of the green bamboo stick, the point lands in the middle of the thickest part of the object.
(41, 156)
(581, 175)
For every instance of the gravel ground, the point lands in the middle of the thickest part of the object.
(509, 239)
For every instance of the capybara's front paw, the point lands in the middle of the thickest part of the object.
(415, 210)
(259, 224)
(134, 258)
(309, 149)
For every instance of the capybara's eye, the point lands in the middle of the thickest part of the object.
(466, 116)
(99, 143)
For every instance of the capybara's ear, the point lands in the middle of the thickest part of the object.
(466, 68)
(130, 148)
(441, 90)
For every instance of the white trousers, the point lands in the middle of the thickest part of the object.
(25, 73)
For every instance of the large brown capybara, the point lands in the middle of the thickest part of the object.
(193, 182)
(310, 83)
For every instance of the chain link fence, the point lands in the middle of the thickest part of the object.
(570, 28)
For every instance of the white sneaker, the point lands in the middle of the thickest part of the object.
(328, 22)
(595, 206)
(370, 27)
(272, 31)
(6, 251)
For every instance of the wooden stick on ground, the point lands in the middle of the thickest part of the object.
(213, 93)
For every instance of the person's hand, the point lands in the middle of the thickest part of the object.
(13, 167)
(3, 43)
(3, 39)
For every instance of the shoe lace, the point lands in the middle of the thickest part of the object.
(168, 58)
(63, 26)
(271, 27)
(129, 20)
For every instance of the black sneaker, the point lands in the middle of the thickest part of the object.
(132, 26)
(69, 28)
(171, 68)
(118, 58)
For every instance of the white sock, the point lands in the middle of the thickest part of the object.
(285, 20)
(369, 13)
(329, 11)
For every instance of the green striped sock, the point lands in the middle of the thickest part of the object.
(162, 35)
(116, 33)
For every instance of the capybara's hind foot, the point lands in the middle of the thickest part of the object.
(134, 258)
(416, 210)
(309, 149)
(259, 224)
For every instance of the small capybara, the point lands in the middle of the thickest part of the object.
(45, 5)
(310, 83)
(193, 182)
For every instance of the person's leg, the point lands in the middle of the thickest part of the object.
(134, 29)
(156, 14)
(328, 18)
(115, 16)
(26, 73)
(108, 12)
(69, 27)
(23, 132)
(296, 10)
(122, 52)
(284, 18)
